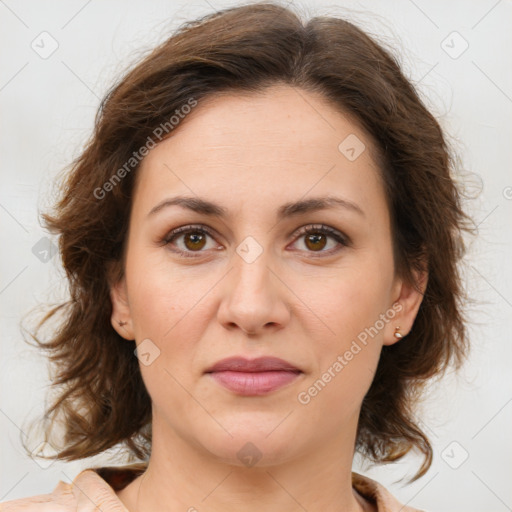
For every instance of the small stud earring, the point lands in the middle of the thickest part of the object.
(397, 334)
(121, 323)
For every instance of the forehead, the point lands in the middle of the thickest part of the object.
(280, 116)
(280, 142)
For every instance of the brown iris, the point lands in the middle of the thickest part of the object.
(196, 239)
(312, 241)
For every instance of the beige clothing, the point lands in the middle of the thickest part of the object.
(93, 490)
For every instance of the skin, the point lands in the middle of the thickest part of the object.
(302, 303)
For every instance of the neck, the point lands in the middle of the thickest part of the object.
(183, 477)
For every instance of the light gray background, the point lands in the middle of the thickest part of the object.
(47, 110)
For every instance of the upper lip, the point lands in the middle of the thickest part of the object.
(260, 364)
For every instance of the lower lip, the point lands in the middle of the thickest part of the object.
(254, 383)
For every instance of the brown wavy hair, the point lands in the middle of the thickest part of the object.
(101, 400)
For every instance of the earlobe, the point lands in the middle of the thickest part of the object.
(121, 319)
(409, 297)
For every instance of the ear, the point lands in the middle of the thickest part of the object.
(408, 298)
(121, 318)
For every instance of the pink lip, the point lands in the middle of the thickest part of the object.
(253, 377)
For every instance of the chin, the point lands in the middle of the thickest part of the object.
(255, 441)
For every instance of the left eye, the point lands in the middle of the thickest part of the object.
(195, 239)
(316, 238)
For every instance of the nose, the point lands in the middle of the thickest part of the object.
(254, 298)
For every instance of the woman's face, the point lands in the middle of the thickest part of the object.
(253, 284)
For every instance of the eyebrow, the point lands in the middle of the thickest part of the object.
(204, 207)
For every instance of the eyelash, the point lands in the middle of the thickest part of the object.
(312, 229)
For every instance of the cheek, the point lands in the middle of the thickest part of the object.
(349, 353)
(166, 311)
(162, 296)
(354, 310)
(349, 299)
(166, 318)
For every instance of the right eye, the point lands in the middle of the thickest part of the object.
(194, 239)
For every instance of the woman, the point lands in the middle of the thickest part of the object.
(262, 242)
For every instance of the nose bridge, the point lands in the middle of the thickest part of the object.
(251, 275)
(253, 298)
